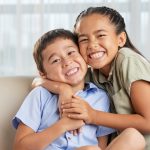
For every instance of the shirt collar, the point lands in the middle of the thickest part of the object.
(89, 87)
(101, 78)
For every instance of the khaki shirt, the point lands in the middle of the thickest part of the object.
(127, 67)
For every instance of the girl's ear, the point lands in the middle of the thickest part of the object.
(43, 75)
(122, 39)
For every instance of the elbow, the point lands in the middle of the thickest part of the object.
(145, 126)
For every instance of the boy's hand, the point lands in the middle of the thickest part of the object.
(77, 108)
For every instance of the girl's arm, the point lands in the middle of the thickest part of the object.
(52, 86)
(64, 90)
(140, 98)
(60, 88)
(27, 139)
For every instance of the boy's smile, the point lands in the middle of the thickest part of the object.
(63, 63)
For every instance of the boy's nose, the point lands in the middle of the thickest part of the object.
(67, 62)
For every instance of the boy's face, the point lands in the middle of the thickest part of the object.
(62, 62)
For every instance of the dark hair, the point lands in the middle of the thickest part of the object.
(114, 17)
(47, 39)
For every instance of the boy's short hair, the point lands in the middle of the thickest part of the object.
(47, 39)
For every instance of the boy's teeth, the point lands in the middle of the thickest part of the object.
(72, 71)
(97, 55)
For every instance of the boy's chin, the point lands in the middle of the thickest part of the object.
(76, 82)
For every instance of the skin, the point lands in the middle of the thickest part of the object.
(61, 56)
(99, 44)
(64, 59)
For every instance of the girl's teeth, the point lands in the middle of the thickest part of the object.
(97, 55)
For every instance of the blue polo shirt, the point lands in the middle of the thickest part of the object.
(40, 110)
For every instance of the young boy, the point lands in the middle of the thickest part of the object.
(37, 121)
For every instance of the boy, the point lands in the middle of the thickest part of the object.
(37, 121)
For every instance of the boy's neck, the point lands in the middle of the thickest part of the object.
(79, 86)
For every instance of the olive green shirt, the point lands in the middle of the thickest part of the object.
(126, 68)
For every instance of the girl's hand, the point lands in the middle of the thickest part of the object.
(77, 108)
(38, 81)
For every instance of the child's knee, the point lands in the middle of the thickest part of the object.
(135, 138)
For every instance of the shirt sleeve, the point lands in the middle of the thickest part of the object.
(133, 69)
(31, 110)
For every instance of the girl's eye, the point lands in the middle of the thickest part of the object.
(101, 35)
(82, 40)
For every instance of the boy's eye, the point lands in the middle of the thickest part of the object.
(55, 61)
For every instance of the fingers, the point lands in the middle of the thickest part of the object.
(72, 100)
(73, 110)
(76, 116)
(70, 106)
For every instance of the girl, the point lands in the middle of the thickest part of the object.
(118, 67)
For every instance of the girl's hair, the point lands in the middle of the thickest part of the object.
(114, 18)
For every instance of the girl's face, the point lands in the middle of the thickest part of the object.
(98, 41)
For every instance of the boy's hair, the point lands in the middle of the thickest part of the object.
(47, 39)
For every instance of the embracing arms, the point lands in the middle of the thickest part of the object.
(140, 98)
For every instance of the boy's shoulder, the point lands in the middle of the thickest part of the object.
(41, 92)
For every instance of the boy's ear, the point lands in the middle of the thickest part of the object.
(43, 75)
(122, 39)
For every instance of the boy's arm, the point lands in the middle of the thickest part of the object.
(102, 142)
(26, 138)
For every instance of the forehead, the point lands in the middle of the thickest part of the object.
(93, 22)
(57, 46)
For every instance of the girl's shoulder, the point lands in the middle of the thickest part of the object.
(129, 56)
(126, 52)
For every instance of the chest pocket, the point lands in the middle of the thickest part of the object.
(122, 102)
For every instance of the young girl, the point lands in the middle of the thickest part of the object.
(116, 66)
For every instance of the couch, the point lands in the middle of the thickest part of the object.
(12, 92)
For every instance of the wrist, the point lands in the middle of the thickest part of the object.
(93, 117)
(62, 125)
(67, 88)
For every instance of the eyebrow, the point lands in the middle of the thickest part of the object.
(53, 54)
(95, 32)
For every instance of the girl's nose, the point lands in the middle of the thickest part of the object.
(93, 45)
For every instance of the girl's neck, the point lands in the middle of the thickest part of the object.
(105, 70)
